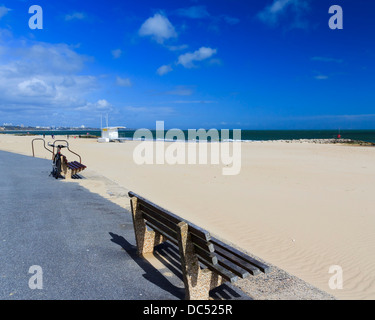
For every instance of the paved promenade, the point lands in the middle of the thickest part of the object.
(83, 243)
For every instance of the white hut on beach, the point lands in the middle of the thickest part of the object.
(109, 134)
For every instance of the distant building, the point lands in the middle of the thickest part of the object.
(109, 133)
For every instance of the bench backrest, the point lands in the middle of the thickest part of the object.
(226, 260)
(165, 222)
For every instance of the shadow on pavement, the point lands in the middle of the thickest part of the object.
(151, 273)
(168, 255)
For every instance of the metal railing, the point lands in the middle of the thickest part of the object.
(53, 147)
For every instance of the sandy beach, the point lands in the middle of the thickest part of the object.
(301, 206)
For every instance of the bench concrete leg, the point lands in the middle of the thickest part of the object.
(68, 174)
(146, 239)
(198, 282)
(64, 169)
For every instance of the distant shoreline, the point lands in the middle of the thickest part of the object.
(93, 134)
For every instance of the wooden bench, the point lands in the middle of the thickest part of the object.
(206, 261)
(76, 167)
(70, 169)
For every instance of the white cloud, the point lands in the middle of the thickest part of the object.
(75, 16)
(43, 92)
(178, 48)
(273, 13)
(97, 107)
(123, 82)
(202, 53)
(5, 34)
(38, 79)
(200, 12)
(31, 58)
(103, 104)
(321, 77)
(116, 53)
(3, 11)
(36, 87)
(158, 27)
(164, 70)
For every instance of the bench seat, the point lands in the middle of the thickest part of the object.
(71, 169)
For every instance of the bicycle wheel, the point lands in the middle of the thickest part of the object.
(58, 168)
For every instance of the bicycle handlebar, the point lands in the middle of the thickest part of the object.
(62, 146)
(58, 146)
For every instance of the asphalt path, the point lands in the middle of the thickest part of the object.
(58, 241)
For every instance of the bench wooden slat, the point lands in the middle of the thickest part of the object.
(200, 232)
(212, 266)
(79, 164)
(226, 274)
(202, 243)
(237, 270)
(163, 228)
(208, 256)
(171, 234)
(264, 268)
(76, 166)
(231, 260)
(72, 165)
(158, 210)
(171, 239)
(209, 247)
(153, 214)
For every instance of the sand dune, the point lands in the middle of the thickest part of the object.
(303, 207)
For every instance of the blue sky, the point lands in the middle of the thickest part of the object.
(272, 64)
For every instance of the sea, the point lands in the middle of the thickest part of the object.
(246, 135)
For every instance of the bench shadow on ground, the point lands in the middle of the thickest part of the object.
(168, 256)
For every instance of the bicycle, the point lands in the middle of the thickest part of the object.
(56, 162)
